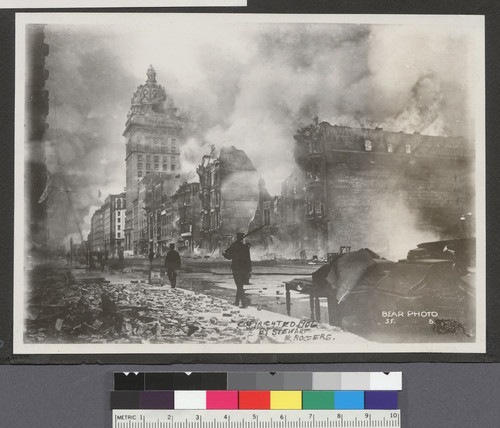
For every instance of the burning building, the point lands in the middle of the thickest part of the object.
(373, 188)
(188, 204)
(171, 214)
(229, 196)
(279, 221)
(155, 193)
(152, 135)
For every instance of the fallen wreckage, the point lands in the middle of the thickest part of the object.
(430, 293)
(62, 308)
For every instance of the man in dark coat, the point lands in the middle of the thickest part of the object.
(121, 258)
(241, 266)
(99, 259)
(172, 265)
(105, 261)
(151, 257)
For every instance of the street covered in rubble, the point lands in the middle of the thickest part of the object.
(70, 304)
(409, 301)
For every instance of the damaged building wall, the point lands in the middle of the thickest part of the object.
(291, 207)
(279, 221)
(188, 203)
(229, 196)
(383, 190)
(157, 190)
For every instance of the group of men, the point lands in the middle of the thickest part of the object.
(241, 266)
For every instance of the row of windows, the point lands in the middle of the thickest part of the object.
(314, 172)
(314, 207)
(156, 168)
(155, 158)
(210, 178)
(389, 147)
(155, 140)
(150, 149)
(211, 220)
(315, 147)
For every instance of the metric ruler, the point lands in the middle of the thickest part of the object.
(256, 418)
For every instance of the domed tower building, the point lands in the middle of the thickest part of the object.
(152, 134)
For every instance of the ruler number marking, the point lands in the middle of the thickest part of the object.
(137, 418)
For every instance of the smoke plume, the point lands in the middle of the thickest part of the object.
(250, 86)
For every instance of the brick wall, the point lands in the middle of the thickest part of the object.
(385, 191)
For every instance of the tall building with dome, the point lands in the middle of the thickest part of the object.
(152, 133)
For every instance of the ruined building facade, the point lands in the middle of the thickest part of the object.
(369, 187)
(229, 195)
(187, 204)
(155, 195)
(280, 220)
(152, 133)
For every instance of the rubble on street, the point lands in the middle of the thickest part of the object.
(65, 309)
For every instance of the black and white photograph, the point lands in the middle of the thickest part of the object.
(224, 183)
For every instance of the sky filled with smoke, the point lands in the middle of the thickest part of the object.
(247, 85)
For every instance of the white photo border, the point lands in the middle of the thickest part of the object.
(472, 22)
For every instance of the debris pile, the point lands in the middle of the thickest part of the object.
(62, 309)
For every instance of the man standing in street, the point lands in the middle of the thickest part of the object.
(121, 259)
(99, 259)
(105, 261)
(241, 266)
(151, 257)
(172, 265)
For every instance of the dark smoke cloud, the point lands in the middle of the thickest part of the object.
(249, 86)
(85, 154)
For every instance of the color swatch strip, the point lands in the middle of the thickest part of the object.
(254, 400)
(259, 381)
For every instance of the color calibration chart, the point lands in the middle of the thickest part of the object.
(256, 400)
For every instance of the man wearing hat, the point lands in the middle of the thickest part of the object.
(241, 266)
(172, 265)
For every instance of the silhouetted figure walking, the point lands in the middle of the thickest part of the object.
(121, 259)
(105, 262)
(241, 266)
(99, 259)
(151, 257)
(172, 265)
